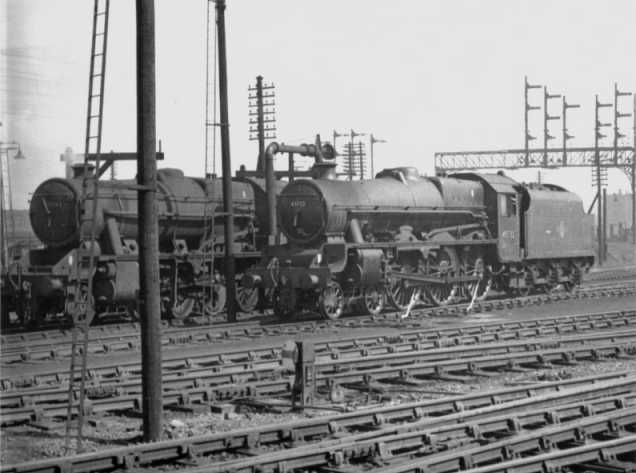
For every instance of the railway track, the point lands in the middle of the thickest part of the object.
(194, 384)
(545, 419)
(267, 324)
(404, 339)
(107, 339)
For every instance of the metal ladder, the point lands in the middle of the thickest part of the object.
(80, 304)
(209, 237)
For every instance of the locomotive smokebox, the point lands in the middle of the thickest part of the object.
(54, 212)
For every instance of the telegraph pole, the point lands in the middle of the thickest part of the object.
(149, 301)
(337, 135)
(617, 135)
(262, 96)
(373, 140)
(634, 175)
(352, 154)
(527, 108)
(227, 165)
(566, 135)
(618, 115)
(599, 184)
(546, 119)
(361, 156)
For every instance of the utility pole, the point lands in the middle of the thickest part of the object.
(348, 166)
(352, 153)
(633, 183)
(527, 137)
(599, 178)
(618, 115)
(546, 119)
(227, 165)
(617, 135)
(149, 301)
(337, 135)
(372, 141)
(566, 135)
(262, 96)
(361, 156)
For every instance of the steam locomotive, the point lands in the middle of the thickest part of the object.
(38, 283)
(404, 239)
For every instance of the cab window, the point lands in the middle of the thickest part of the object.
(507, 205)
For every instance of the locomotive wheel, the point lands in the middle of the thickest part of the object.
(441, 294)
(182, 309)
(133, 313)
(575, 278)
(373, 300)
(214, 299)
(524, 291)
(331, 301)
(443, 263)
(284, 302)
(246, 299)
(398, 293)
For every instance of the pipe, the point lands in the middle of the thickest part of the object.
(149, 301)
(270, 182)
(355, 231)
(270, 176)
(114, 237)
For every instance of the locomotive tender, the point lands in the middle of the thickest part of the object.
(191, 243)
(402, 238)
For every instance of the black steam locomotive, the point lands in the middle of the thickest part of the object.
(405, 239)
(36, 285)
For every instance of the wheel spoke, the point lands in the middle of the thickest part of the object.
(331, 301)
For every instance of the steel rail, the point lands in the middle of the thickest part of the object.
(527, 431)
(433, 337)
(410, 371)
(600, 453)
(118, 342)
(406, 368)
(596, 428)
(355, 351)
(467, 407)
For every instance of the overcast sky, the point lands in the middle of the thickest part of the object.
(438, 75)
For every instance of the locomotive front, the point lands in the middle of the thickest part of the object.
(189, 230)
(54, 212)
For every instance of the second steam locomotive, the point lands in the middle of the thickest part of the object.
(403, 239)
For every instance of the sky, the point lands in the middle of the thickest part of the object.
(426, 76)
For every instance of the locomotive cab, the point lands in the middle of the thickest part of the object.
(502, 198)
